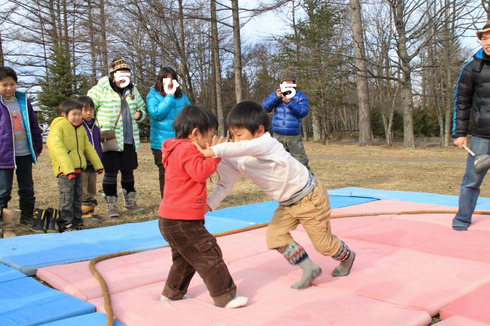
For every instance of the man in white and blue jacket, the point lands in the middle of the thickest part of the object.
(472, 99)
(288, 112)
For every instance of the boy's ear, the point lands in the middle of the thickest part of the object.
(260, 131)
(193, 133)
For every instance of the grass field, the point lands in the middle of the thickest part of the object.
(424, 169)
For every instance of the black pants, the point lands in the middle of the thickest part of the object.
(157, 157)
(126, 162)
(195, 249)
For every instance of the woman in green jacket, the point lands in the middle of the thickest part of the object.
(119, 107)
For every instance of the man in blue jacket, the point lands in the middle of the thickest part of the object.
(289, 106)
(472, 100)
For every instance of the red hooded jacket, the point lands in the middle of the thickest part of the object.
(186, 172)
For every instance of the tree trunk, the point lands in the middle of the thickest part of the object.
(93, 55)
(406, 92)
(217, 69)
(365, 133)
(237, 51)
(184, 68)
(2, 61)
(103, 33)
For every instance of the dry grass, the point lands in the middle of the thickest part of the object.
(425, 169)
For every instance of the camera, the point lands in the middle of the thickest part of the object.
(286, 93)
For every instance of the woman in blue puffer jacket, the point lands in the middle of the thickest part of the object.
(164, 101)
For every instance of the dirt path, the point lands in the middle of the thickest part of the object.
(386, 159)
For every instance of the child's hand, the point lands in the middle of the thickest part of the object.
(206, 152)
(137, 115)
(216, 141)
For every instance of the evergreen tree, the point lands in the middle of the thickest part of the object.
(58, 84)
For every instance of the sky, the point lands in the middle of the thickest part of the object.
(265, 26)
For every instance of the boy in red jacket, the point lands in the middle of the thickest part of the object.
(183, 207)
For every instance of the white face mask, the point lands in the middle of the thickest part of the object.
(166, 83)
(288, 90)
(124, 77)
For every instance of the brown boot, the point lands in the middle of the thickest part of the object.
(10, 218)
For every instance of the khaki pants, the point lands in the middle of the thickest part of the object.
(313, 213)
(89, 186)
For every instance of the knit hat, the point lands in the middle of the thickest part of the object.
(288, 74)
(118, 64)
(485, 28)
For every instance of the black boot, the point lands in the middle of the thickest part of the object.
(26, 212)
(38, 221)
(51, 219)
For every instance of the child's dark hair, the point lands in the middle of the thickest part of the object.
(249, 115)
(7, 72)
(193, 116)
(164, 72)
(86, 101)
(68, 105)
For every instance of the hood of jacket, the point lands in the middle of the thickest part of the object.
(169, 146)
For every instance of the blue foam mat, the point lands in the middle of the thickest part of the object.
(25, 301)
(416, 197)
(262, 212)
(94, 319)
(9, 274)
(30, 252)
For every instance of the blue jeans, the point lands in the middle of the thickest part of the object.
(24, 181)
(470, 186)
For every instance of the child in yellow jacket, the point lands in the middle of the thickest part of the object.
(68, 145)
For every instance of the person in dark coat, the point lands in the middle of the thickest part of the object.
(472, 100)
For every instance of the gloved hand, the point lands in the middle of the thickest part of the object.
(100, 171)
(71, 176)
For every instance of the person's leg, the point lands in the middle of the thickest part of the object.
(77, 202)
(283, 139)
(313, 212)
(200, 249)
(26, 188)
(279, 238)
(157, 156)
(181, 272)
(87, 208)
(129, 193)
(297, 149)
(470, 185)
(109, 186)
(6, 179)
(66, 190)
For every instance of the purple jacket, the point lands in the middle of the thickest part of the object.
(33, 132)
(93, 133)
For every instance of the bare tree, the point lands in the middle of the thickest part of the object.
(216, 67)
(103, 33)
(365, 134)
(237, 51)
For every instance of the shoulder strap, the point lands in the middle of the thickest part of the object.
(123, 100)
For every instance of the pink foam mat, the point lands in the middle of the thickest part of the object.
(272, 302)
(474, 306)
(407, 268)
(460, 321)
